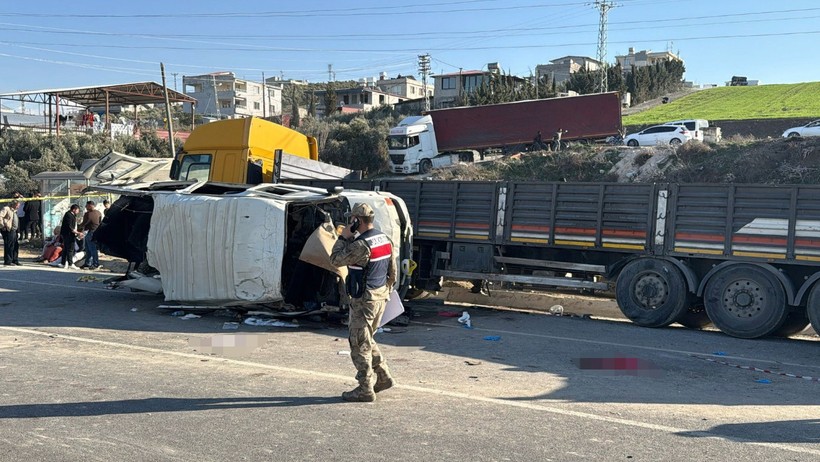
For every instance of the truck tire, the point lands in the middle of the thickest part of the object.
(813, 308)
(796, 322)
(745, 301)
(651, 292)
(425, 166)
(632, 143)
(695, 317)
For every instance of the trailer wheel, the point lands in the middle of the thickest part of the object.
(746, 301)
(813, 308)
(695, 317)
(632, 143)
(425, 166)
(651, 293)
(795, 323)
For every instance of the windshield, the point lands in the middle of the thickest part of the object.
(397, 142)
(195, 167)
(402, 142)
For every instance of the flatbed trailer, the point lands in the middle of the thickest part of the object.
(745, 257)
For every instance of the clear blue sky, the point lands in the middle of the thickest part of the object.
(53, 44)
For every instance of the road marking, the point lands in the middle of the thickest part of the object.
(506, 332)
(616, 344)
(433, 391)
(67, 286)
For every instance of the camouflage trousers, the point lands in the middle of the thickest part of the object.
(365, 316)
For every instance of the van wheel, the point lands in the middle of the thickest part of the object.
(425, 166)
(746, 301)
(675, 141)
(632, 143)
(651, 292)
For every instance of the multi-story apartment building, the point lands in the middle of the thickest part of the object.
(406, 87)
(561, 69)
(222, 95)
(644, 58)
(451, 88)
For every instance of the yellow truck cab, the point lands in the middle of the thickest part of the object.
(240, 151)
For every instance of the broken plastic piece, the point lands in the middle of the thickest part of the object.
(178, 313)
(493, 338)
(190, 316)
(557, 310)
(269, 323)
(230, 326)
(763, 381)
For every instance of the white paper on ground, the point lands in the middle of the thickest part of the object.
(393, 309)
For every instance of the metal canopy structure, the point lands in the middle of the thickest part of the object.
(125, 94)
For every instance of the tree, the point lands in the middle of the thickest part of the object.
(331, 100)
(293, 96)
(582, 82)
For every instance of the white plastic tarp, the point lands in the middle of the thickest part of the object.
(218, 249)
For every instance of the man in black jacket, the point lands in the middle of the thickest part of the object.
(32, 209)
(69, 233)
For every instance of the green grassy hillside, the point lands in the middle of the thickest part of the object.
(801, 100)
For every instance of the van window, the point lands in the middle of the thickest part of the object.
(691, 126)
(195, 167)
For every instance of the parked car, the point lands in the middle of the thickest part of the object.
(810, 129)
(659, 134)
(696, 126)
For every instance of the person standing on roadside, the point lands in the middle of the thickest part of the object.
(9, 225)
(91, 221)
(368, 255)
(69, 233)
(32, 209)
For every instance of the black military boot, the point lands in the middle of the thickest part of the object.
(383, 381)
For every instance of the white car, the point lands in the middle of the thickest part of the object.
(810, 129)
(696, 126)
(659, 134)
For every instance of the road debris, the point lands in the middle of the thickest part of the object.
(493, 338)
(269, 323)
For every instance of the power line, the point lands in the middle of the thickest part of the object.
(361, 11)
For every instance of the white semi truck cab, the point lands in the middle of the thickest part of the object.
(412, 145)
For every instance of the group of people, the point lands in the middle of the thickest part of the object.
(539, 144)
(67, 239)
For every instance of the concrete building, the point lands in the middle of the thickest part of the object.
(561, 69)
(449, 88)
(362, 98)
(644, 58)
(222, 95)
(406, 87)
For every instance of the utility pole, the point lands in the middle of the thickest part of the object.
(424, 69)
(331, 76)
(264, 99)
(216, 98)
(603, 6)
(175, 80)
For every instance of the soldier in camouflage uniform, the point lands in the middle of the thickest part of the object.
(368, 254)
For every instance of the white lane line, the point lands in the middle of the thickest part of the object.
(619, 345)
(523, 334)
(432, 391)
(67, 286)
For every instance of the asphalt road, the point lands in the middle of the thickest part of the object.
(88, 373)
